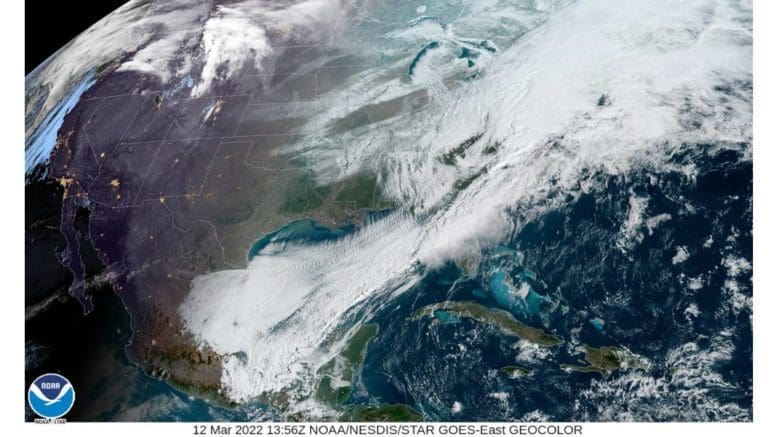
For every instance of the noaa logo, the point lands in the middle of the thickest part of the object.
(51, 396)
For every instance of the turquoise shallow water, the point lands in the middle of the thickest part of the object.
(305, 231)
(457, 360)
(308, 231)
(579, 285)
(641, 294)
(509, 296)
(446, 317)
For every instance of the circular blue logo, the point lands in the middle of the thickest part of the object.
(51, 396)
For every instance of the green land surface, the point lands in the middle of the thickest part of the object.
(500, 319)
(606, 360)
(514, 372)
(336, 378)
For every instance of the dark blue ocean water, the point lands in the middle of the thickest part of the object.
(581, 281)
(567, 271)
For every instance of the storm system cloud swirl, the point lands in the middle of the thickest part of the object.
(474, 118)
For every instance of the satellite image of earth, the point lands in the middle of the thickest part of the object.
(495, 210)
